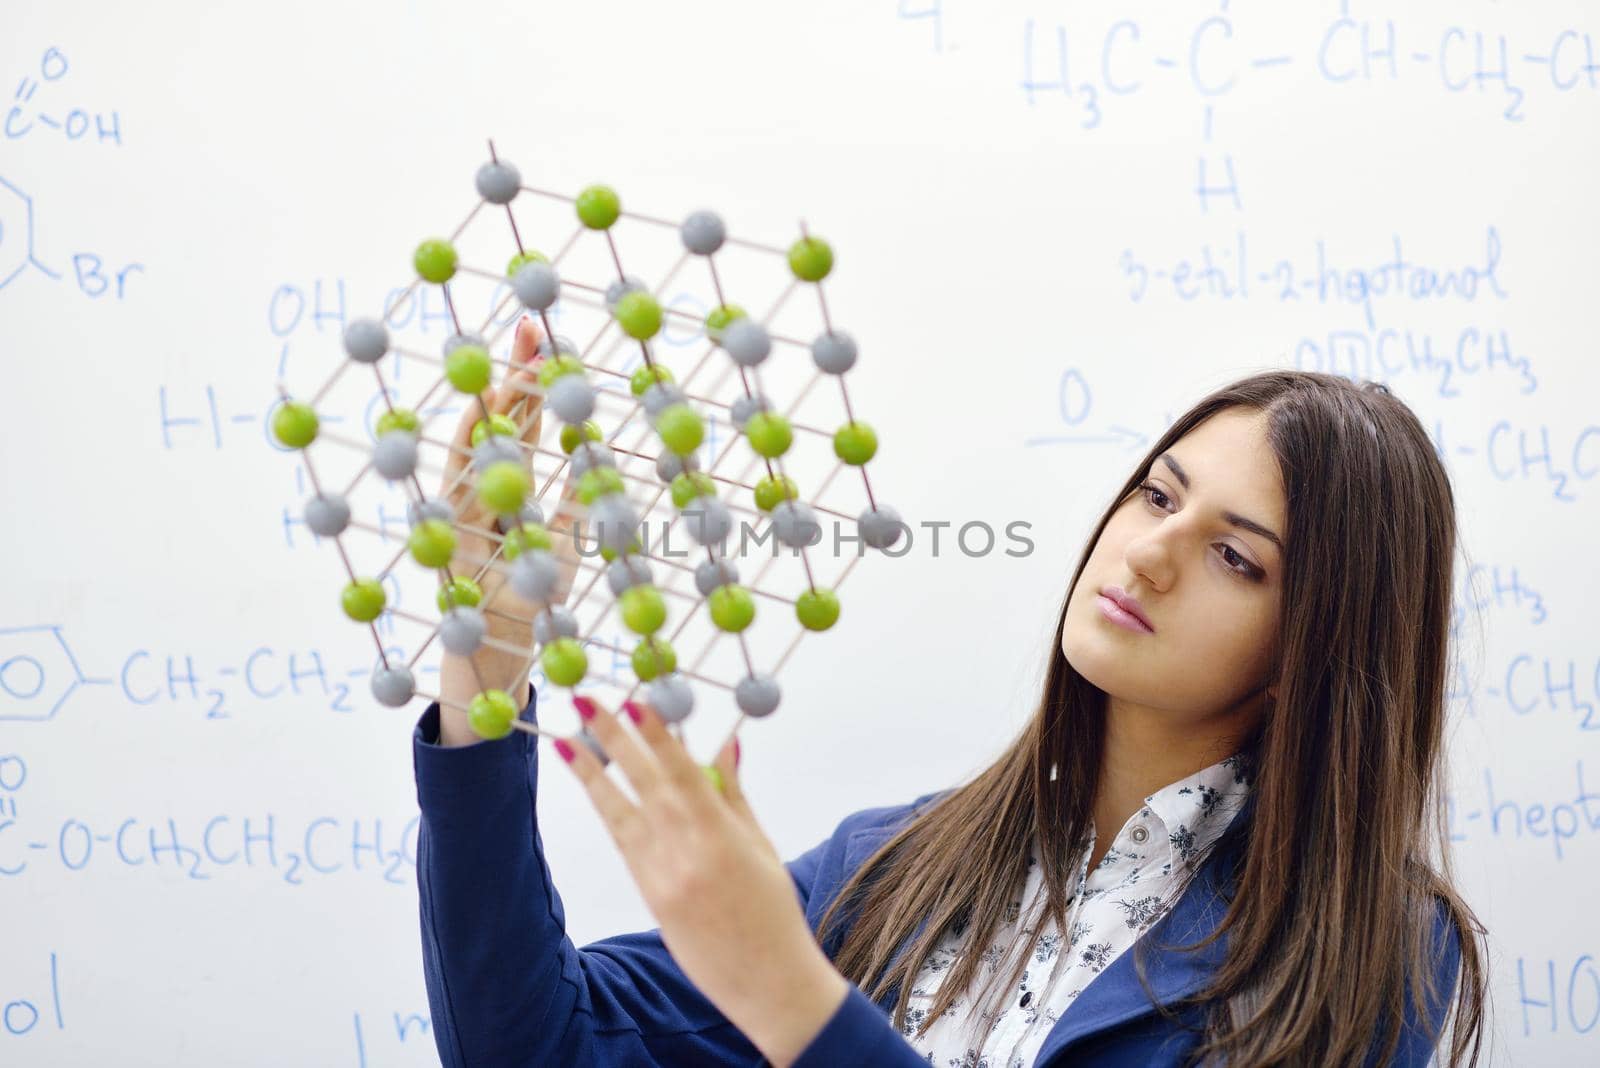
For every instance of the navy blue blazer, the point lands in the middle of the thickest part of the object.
(506, 986)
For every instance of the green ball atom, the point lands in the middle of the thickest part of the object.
(652, 657)
(608, 554)
(646, 376)
(597, 482)
(564, 363)
(468, 367)
(490, 714)
(639, 315)
(564, 661)
(810, 259)
(719, 318)
(398, 419)
(574, 434)
(598, 207)
(363, 600)
(769, 434)
(732, 607)
(855, 443)
(432, 543)
(503, 425)
(435, 260)
(526, 536)
(294, 424)
(817, 609)
(459, 592)
(687, 485)
(681, 428)
(643, 610)
(502, 487)
(773, 490)
(522, 259)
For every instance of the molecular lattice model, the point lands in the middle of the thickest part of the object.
(689, 490)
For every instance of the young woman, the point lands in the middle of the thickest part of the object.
(1219, 839)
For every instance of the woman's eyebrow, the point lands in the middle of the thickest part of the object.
(1232, 517)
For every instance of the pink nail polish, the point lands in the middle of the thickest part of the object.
(633, 712)
(585, 708)
(736, 752)
(564, 749)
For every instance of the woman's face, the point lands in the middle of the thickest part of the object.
(1207, 585)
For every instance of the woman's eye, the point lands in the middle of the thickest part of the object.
(1150, 489)
(1244, 567)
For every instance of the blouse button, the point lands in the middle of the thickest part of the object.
(1140, 833)
(1027, 999)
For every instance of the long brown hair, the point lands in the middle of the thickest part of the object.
(1343, 861)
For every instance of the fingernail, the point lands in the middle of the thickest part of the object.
(585, 708)
(736, 752)
(564, 749)
(632, 710)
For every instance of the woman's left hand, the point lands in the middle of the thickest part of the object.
(726, 904)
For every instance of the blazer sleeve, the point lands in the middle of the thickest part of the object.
(1419, 1035)
(505, 984)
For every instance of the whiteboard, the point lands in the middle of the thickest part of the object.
(1057, 225)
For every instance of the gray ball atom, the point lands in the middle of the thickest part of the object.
(744, 407)
(626, 572)
(571, 398)
(395, 454)
(671, 697)
(498, 182)
(558, 622)
(834, 353)
(708, 520)
(757, 695)
(593, 744)
(703, 233)
(880, 527)
(613, 521)
(394, 685)
(366, 340)
(669, 465)
(709, 574)
(462, 629)
(493, 449)
(327, 515)
(620, 288)
(531, 513)
(537, 285)
(534, 574)
(795, 524)
(660, 396)
(455, 341)
(746, 341)
(591, 454)
(432, 508)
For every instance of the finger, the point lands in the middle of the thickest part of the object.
(520, 392)
(459, 453)
(677, 766)
(620, 815)
(566, 507)
(625, 750)
(727, 765)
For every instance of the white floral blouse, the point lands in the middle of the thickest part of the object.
(1110, 908)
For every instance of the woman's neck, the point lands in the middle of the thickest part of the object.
(1147, 749)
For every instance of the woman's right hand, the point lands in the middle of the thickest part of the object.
(509, 618)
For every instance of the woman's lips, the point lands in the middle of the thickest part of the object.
(1116, 614)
